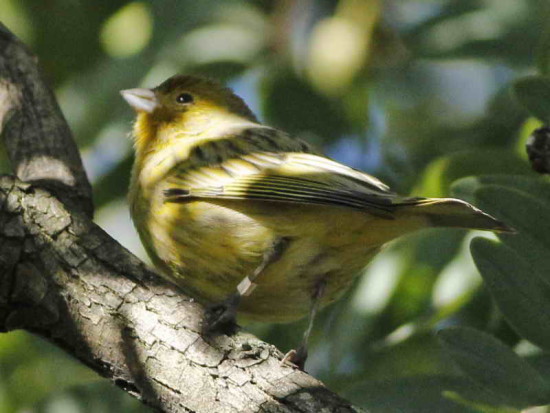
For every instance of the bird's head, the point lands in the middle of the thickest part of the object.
(183, 105)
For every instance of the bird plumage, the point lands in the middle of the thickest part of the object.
(213, 190)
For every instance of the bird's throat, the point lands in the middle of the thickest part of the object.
(145, 133)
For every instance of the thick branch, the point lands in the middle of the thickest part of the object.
(37, 138)
(63, 278)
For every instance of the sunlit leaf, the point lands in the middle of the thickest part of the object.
(527, 129)
(222, 42)
(128, 31)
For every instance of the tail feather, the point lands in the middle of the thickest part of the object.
(450, 212)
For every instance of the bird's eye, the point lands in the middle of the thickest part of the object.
(184, 98)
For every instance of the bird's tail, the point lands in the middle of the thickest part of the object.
(450, 212)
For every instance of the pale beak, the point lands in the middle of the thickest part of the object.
(142, 100)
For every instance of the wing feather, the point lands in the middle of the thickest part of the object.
(286, 176)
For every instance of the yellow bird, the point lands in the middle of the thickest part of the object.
(249, 219)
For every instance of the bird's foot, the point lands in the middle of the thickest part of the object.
(222, 317)
(297, 357)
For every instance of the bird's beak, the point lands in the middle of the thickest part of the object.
(142, 100)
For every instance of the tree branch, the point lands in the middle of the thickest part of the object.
(65, 279)
(37, 138)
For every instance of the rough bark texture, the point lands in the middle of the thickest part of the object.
(63, 278)
(36, 136)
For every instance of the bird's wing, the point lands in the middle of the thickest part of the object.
(290, 177)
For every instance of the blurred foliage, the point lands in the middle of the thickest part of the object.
(418, 92)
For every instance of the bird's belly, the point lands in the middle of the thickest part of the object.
(284, 292)
(204, 248)
(208, 248)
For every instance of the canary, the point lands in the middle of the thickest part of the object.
(249, 219)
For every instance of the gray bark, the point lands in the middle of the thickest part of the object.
(64, 279)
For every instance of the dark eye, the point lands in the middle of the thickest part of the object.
(184, 98)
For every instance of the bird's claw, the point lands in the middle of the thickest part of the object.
(297, 357)
(222, 317)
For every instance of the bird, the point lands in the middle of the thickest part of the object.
(254, 222)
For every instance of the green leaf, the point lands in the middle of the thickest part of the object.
(522, 296)
(495, 367)
(443, 171)
(419, 394)
(517, 272)
(479, 407)
(533, 93)
(521, 202)
(293, 105)
(543, 53)
(537, 186)
(523, 211)
(541, 363)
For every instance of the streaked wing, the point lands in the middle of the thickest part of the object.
(289, 189)
(291, 177)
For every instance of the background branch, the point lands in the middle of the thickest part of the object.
(65, 279)
(538, 150)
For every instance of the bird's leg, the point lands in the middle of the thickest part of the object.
(299, 356)
(221, 317)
